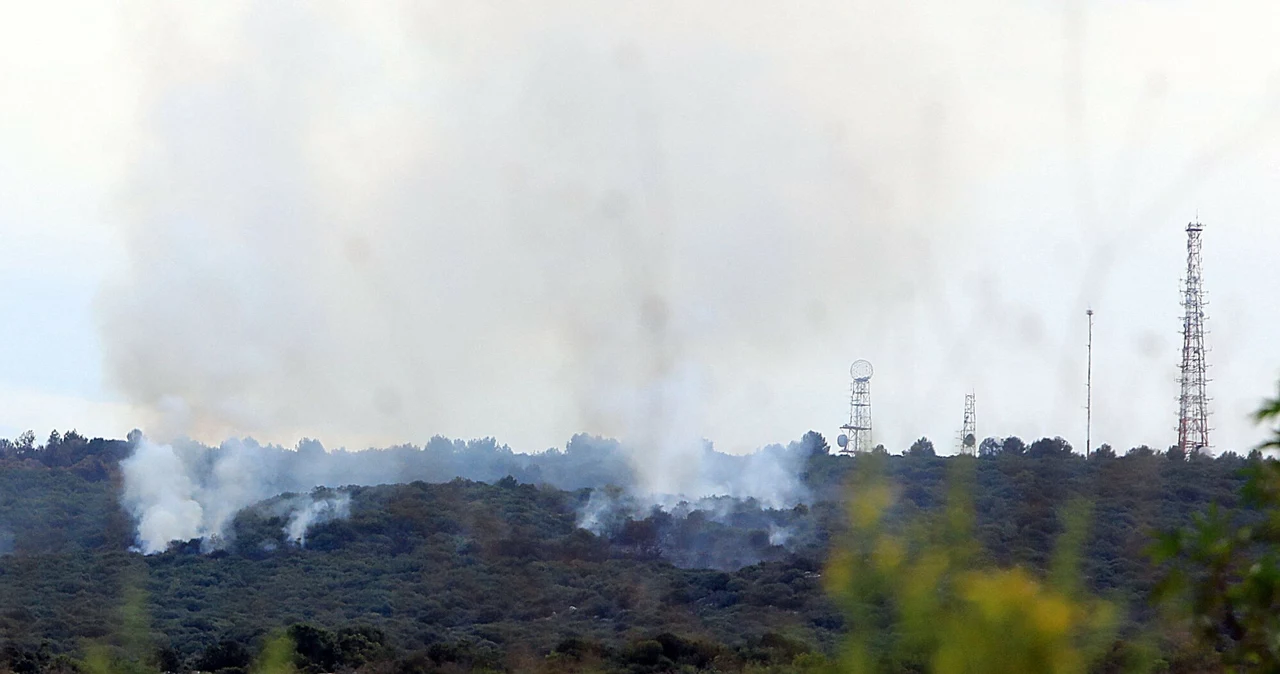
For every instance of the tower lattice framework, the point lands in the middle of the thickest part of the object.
(1193, 402)
(858, 431)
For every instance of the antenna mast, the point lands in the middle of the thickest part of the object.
(1193, 402)
(1088, 388)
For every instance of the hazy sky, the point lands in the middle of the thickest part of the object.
(371, 224)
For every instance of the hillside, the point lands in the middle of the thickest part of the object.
(493, 571)
(495, 566)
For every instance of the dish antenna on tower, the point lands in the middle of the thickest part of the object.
(861, 370)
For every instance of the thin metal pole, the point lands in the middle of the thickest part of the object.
(1088, 414)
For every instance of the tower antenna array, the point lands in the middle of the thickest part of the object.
(1193, 402)
(969, 435)
(856, 437)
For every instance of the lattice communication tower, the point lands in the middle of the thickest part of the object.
(969, 434)
(856, 437)
(1193, 402)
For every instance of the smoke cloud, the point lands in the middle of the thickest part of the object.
(372, 224)
(643, 222)
(667, 221)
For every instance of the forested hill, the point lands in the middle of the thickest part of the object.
(490, 567)
(480, 572)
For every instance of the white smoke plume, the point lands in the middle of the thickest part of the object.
(779, 535)
(704, 480)
(316, 511)
(188, 492)
(185, 490)
(770, 475)
(162, 497)
(606, 505)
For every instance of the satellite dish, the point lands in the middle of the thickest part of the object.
(861, 370)
(843, 441)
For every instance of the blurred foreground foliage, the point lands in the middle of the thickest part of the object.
(924, 597)
(1222, 573)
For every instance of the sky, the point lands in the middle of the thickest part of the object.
(657, 221)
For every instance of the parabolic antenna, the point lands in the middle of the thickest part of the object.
(861, 370)
(843, 441)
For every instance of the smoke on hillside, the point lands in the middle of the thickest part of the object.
(184, 490)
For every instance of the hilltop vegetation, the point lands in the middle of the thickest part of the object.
(464, 573)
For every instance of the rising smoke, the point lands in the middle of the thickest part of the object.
(661, 222)
(192, 492)
(185, 490)
(376, 232)
(305, 514)
(377, 223)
